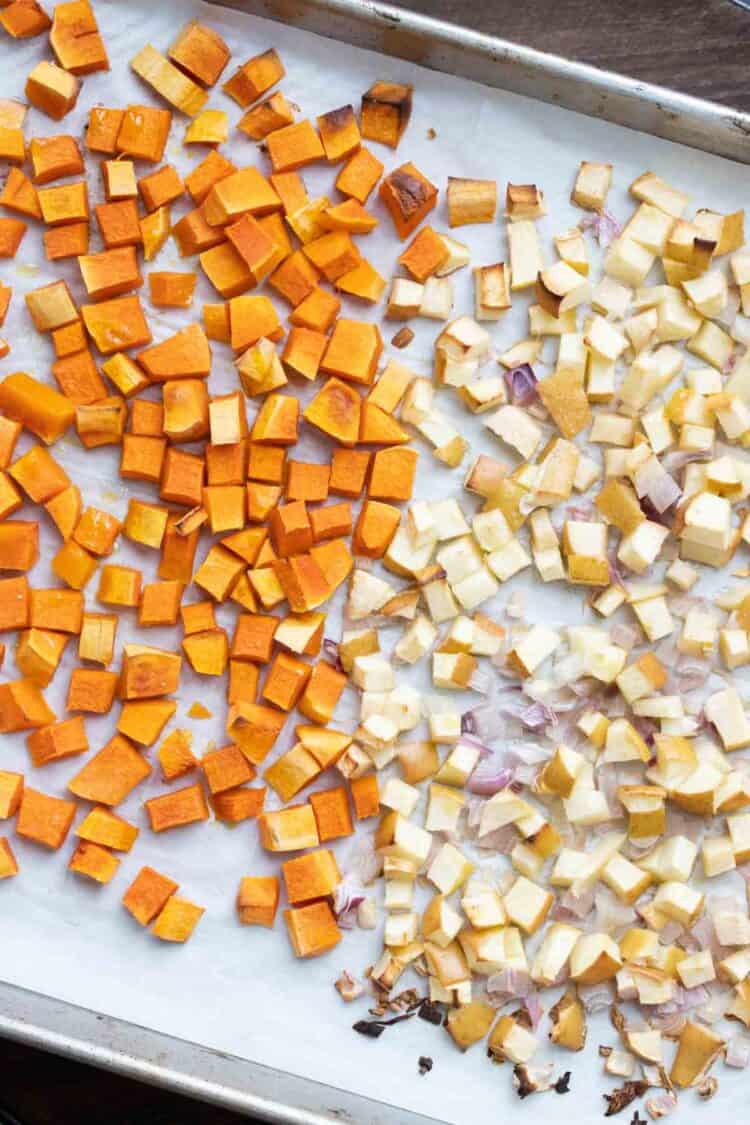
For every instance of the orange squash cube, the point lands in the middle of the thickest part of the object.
(143, 720)
(52, 90)
(142, 457)
(39, 475)
(254, 728)
(177, 554)
(385, 112)
(41, 409)
(236, 805)
(52, 158)
(290, 530)
(349, 469)
(332, 816)
(409, 197)
(376, 525)
(148, 894)
(68, 203)
(119, 585)
(45, 820)
(60, 610)
(14, 603)
(317, 311)
(365, 796)
(177, 809)
(38, 654)
(73, 565)
(359, 175)
(392, 474)
(288, 830)
(277, 421)
(250, 319)
(353, 351)
(116, 324)
(274, 113)
(8, 864)
(143, 132)
(331, 522)
(184, 355)
(118, 223)
(68, 241)
(363, 282)
(322, 693)
(160, 188)
(182, 477)
(207, 652)
(75, 38)
(294, 146)
(291, 772)
(19, 544)
(349, 216)
(295, 279)
(213, 168)
(200, 52)
(219, 573)
(102, 129)
(255, 246)
(57, 741)
(335, 411)
(11, 791)
(309, 877)
(286, 681)
(11, 236)
(250, 81)
(23, 707)
(97, 531)
(303, 352)
(226, 768)
(111, 774)
(177, 920)
(69, 339)
(307, 481)
(258, 900)
(425, 254)
(23, 19)
(119, 180)
(253, 637)
(148, 673)
(339, 133)
(243, 682)
(175, 755)
(91, 690)
(333, 254)
(312, 929)
(244, 191)
(96, 640)
(101, 422)
(93, 861)
(102, 826)
(171, 290)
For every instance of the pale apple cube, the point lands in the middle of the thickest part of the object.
(449, 869)
(441, 605)
(509, 560)
(444, 805)
(399, 796)
(476, 589)
(373, 673)
(459, 765)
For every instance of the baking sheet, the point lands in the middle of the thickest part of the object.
(232, 988)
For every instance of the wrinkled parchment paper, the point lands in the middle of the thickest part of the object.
(233, 988)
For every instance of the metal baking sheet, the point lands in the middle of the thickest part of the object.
(231, 1016)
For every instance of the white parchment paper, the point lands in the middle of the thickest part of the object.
(234, 988)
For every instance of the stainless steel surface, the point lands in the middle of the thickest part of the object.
(496, 62)
(189, 1068)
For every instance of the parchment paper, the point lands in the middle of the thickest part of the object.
(234, 988)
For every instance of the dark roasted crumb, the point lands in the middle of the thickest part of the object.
(638, 1120)
(622, 1096)
(562, 1085)
(431, 134)
(604, 1051)
(371, 1028)
(402, 338)
(425, 1064)
(430, 1012)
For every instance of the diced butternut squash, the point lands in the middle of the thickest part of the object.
(148, 894)
(45, 820)
(102, 826)
(177, 920)
(93, 861)
(258, 900)
(312, 929)
(177, 809)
